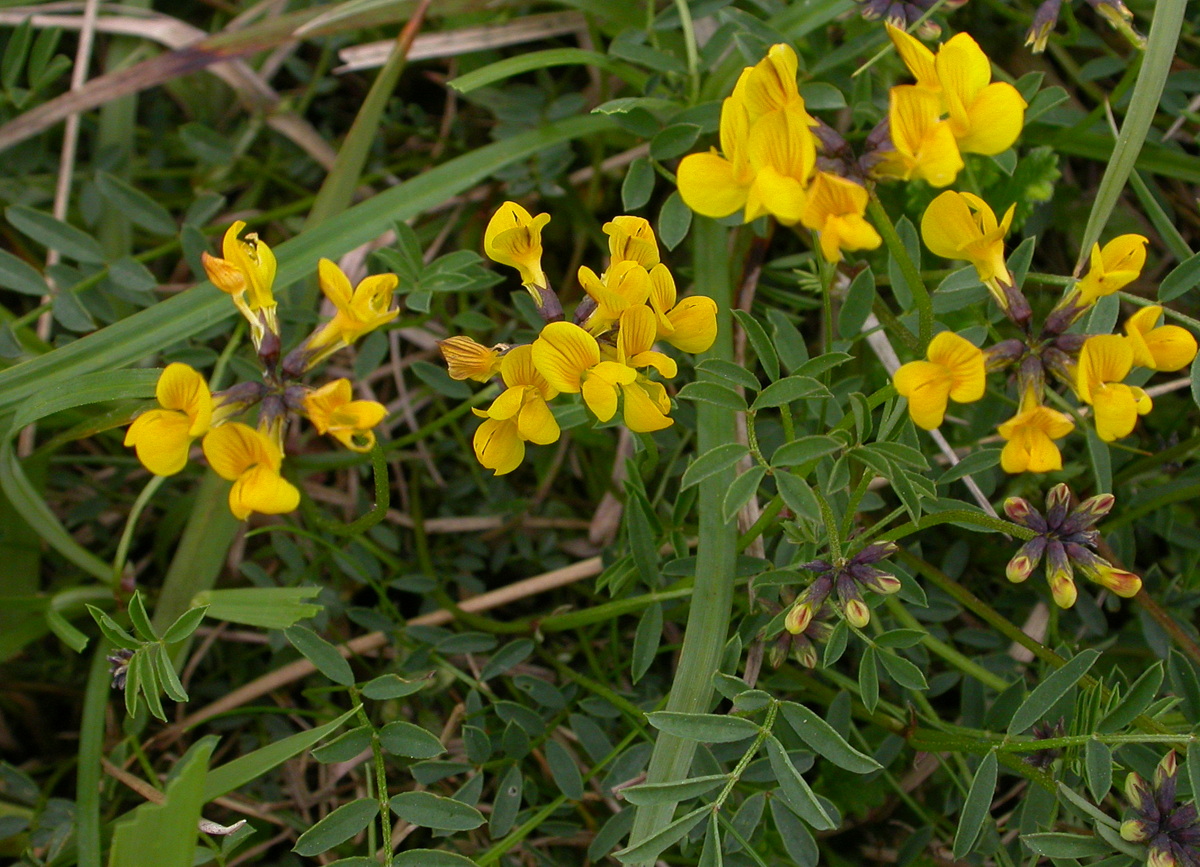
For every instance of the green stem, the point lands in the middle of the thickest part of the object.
(911, 275)
(945, 651)
(712, 600)
(959, 516)
(127, 534)
(693, 54)
(91, 750)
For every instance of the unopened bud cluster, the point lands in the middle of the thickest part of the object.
(849, 576)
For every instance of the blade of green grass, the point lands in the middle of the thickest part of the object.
(511, 66)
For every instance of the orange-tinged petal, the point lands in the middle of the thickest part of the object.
(498, 446)
(709, 186)
(223, 274)
(562, 353)
(466, 359)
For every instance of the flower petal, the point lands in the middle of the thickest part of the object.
(161, 439)
(695, 322)
(709, 186)
(498, 446)
(995, 119)
(562, 353)
(262, 489)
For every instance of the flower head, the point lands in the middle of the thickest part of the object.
(626, 284)
(569, 358)
(1104, 361)
(1112, 267)
(514, 238)
(360, 309)
(251, 460)
(834, 210)
(162, 437)
(1066, 537)
(963, 226)
(332, 412)
(955, 370)
(689, 325)
(466, 359)
(923, 145)
(849, 576)
(517, 416)
(1031, 434)
(631, 239)
(1170, 829)
(1165, 347)
(246, 273)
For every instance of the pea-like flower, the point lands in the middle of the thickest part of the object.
(624, 285)
(849, 576)
(1066, 539)
(163, 437)
(251, 460)
(569, 358)
(985, 117)
(923, 145)
(834, 210)
(1170, 829)
(1158, 347)
(517, 416)
(1112, 267)
(332, 411)
(690, 325)
(963, 226)
(360, 309)
(466, 359)
(247, 274)
(955, 370)
(514, 238)
(1104, 361)
(1030, 436)
(645, 402)
(631, 239)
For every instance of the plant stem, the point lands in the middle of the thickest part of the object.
(911, 275)
(91, 750)
(712, 600)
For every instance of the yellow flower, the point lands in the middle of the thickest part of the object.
(514, 238)
(924, 145)
(955, 370)
(248, 268)
(466, 359)
(1031, 434)
(1112, 268)
(332, 412)
(768, 145)
(569, 358)
(519, 415)
(631, 239)
(626, 284)
(984, 117)
(1104, 361)
(691, 325)
(162, 437)
(962, 226)
(359, 310)
(1167, 347)
(645, 402)
(835, 212)
(251, 460)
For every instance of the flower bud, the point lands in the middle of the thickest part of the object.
(1134, 831)
(858, 613)
(1119, 581)
(1060, 576)
(1087, 513)
(798, 617)
(1160, 857)
(806, 654)
(1018, 510)
(1021, 566)
(1058, 503)
(1138, 792)
(1165, 778)
(883, 584)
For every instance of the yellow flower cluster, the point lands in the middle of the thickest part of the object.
(953, 109)
(252, 457)
(604, 355)
(963, 226)
(768, 164)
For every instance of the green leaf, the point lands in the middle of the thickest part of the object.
(638, 185)
(650, 848)
(70, 313)
(713, 461)
(532, 60)
(672, 793)
(856, 306)
(1182, 279)
(797, 792)
(427, 810)
(164, 835)
(54, 234)
(825, 740)
(345, 746)
(110, 630)
(743, 488)
(64, 630)
(1098, 763)
(1050, 690)
(132, 203)
(511, 654)
(762, 345)
(732, 374)
(430, 858)
(1054, 845)
(564, 771)
(139, 618)
(714, 393)
(673, 141)
(20, 276)
(1140, 694)
(703, 727)
(185, 624)
(93, 388)
(976, 807)
(392, 686)
(338, 827)
(784, 391)
(903, 672)
(406, 739)
(321, 654)
(711, 854)
(674, 220)
(507, 802)
(868, 680)
(235, 774)
(646, 640)
(268, 607)
(977, 461)
(804, 450)
(165, 670)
